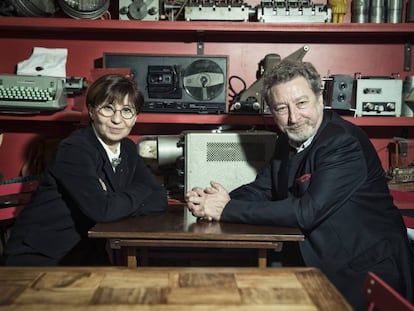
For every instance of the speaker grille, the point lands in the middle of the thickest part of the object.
(234, 151)
(338, 92)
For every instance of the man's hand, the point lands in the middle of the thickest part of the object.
(216, 199)
(207, 203)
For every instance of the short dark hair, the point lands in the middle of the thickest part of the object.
(287, 70)
(113, 88)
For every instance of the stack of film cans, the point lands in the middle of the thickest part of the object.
(380, 11)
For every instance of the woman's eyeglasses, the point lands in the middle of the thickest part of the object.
(109, 111)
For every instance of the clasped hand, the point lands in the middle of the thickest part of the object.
(207, 203)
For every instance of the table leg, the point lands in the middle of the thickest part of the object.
(131, 257)
(262, 258)
(143, 256)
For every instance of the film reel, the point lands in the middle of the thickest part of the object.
(204, 80)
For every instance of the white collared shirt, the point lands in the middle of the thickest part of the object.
(112, 156)
(304, 145)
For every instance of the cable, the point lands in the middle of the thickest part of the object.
(234, 95)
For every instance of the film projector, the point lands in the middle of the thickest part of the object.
(250, 100)
(196, 157)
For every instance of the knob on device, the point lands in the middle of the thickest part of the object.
(378, 95)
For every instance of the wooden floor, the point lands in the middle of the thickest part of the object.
(167, 289)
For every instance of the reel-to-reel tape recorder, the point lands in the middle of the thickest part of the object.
(179, 83)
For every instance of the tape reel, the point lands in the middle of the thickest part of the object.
(204, 80)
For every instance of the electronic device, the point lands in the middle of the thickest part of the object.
(208, 10)
(34, 8)
(180, 83)
(378, 96)
(399, 175)
(31, 94)
(231, 158)
(84, 9)
(408, 97)
(250, 100)
(233, 10)
(145, 10)
(338, 92)
(293, 11)
(401, 160)
(75, 85)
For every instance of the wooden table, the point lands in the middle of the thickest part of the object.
(172, 229)
(167, 289)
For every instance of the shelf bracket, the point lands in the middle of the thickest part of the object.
(200, 42)
(407, 57)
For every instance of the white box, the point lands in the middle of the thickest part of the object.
(378, 97)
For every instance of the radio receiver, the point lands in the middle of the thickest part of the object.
(180, 83)
(378, 95)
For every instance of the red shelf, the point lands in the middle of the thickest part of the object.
(29, 27)
(355, 45)
(183, 31)
(34, 24)
(64, 116)
(163, 118)
(382, 121)
(197, 119)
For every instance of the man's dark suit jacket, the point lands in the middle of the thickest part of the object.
(71, 199)
(336, 192)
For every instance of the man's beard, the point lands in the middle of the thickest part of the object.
(299, 133)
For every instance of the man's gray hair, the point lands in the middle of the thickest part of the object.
(287, 70)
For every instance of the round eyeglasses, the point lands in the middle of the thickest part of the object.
(109, 111)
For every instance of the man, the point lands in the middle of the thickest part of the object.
(325, 178)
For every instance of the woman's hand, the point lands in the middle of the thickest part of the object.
(195, 200)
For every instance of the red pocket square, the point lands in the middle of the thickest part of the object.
(303, 178)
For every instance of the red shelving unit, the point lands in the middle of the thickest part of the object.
(372, 49)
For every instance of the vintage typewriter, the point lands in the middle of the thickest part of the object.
(31, 94)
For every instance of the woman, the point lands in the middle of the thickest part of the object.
(95, 176)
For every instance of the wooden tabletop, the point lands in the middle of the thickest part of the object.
(173, 225)
(167, 289)
(175, 229)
